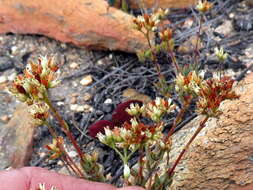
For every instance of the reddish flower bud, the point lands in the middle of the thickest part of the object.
(99, 126)
(120, 115)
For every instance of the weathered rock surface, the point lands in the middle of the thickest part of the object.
(88, 23)
(16, 139)
(221, 157)
(136, 4)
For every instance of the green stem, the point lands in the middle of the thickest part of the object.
(201, 126)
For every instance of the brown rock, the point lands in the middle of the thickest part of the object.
(16, 139)
(226, 28)
(159, 3)
(190, 45)
(221, 157)
(132, 94)
(249, 3)
(88, 23)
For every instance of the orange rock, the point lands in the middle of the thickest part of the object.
(159, 3)
(89, 23)
(16, 138)
(221, 157)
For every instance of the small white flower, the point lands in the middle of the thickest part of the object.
(221, 55)
(134, 122)
(108, 132)
(101, 138)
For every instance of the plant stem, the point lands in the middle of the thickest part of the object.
(65, 127)
(66, 158)
(196, 50)
(173, 59)
(201, 126)
(153, 55)
(178, 119)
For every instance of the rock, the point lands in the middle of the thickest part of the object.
(86, 80)
(226, 28)
(16, 139)
(5, 63)
(87, 97)
(81, 108)
(76, 107)
(132, 94)
(108, 101)
(87, 108)
(4, 118)
(221, 155)
(74, 65)
(161, 3)
(3, 79)
(107, 108)
(188, 23)
(86, 23)
(12, 76)
(249, 3)
(190, 45)
(73, 100)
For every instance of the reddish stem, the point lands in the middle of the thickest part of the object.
(178, 119)
(65, 128)
(201, 126)
(66, 158)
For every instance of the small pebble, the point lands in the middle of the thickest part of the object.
(86, 97)
(3, 79)
(5, 118)
(74, 65)
(73, 100)
(74, 94)
(60, 103)
(87, 108)
(86, 80)
(12, 76)
(76, 107)
(231, 15)
(74, 83)
(60, 163)
(100, 62)
(108, 101)
(63, 45)
(14, 50)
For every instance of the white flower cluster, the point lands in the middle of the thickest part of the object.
(157, 109)
(188, 85)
